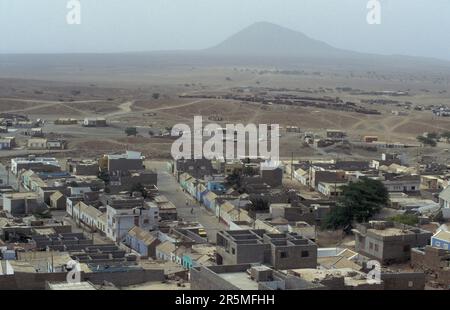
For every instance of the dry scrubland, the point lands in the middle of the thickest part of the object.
(128, 100)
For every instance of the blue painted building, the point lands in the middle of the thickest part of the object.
(441, 240)
(188, 263)
(216, 187)
(142, 242)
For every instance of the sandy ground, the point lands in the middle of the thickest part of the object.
(130, 101)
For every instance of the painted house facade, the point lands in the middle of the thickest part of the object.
(201, 191)
(444, 202)
(441, 240)
(209, 200)
(142, 241)
(121, 219)
(165, 251)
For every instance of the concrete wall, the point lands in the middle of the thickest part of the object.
(390, 249)
(294, 258)
(432, 261)
(124, 164)
(18, 206)
(243, 253)
(58, 204)
(37, 281)
(86, 169)
(205, 279)
(126, 278)
(403, 281)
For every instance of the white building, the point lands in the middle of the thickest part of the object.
(31, 162)
(330, 189)
(7, 143)
(86, 215)
(444, 202)
(121, 219)
(302, 176)
(78, 191)
(71, 202)
(402, 183)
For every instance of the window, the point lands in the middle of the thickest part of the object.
(233, 251)
(283, 255)
(305, 253)
(376, 247)
(370, 245)
(438, 243)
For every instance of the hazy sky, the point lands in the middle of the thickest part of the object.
(412, 27)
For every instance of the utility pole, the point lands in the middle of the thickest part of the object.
(292, 165)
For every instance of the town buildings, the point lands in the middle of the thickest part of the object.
(389, 242)
(282, 251)
(42, 164)
(120, 219)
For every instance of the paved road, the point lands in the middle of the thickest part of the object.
(169, 187)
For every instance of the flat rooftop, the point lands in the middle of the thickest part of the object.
(351, 276)
(80, 286)
(240, 279)
(391, 231)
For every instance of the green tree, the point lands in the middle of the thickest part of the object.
(359, 202)
(131, 131)
(426, 141)
(407, 219)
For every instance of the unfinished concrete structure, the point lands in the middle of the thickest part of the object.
(246, 277)
(84, 251)
(389, 242)
(281, 251)
(21, 203)
(82, 167)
